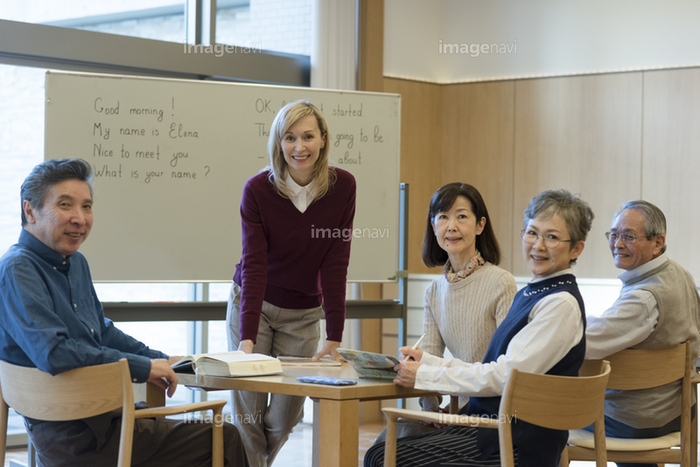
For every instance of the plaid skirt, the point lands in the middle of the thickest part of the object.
(453, 446)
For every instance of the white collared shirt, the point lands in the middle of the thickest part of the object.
(301, 195)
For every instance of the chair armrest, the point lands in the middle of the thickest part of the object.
(179, 409)
(442, 418)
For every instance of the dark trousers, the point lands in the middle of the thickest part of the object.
(616, 429)
(157, 442)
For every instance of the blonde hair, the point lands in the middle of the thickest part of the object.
(323, 175)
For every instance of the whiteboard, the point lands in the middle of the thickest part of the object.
(171, 158)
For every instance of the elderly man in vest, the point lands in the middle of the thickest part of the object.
(658, 308)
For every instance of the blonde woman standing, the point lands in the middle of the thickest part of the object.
(286, 272)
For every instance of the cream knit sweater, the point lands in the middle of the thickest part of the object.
(462, 316)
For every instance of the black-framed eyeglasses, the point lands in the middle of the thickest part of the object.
(550, 240)
(627, 239)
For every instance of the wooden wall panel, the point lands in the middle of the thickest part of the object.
(370, 77)
(671, 158)
(371, 46)
(478, 135)
(421, 155)
(581, 133)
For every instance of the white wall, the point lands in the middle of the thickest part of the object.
(536, 38)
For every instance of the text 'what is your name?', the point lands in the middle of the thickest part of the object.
(116, 171)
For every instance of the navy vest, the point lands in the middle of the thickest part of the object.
(537, 447)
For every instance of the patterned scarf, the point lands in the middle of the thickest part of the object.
(475, 263)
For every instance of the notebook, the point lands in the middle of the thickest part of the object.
(369, 364)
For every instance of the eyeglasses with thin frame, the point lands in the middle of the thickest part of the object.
(550, 240)
(627, 239)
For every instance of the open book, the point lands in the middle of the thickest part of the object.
(369, 364)
(236, 363)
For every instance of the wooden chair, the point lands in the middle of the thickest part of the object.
(557, 402)
(86, 392)
(640, 369)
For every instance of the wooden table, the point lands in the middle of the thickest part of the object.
(336, 408)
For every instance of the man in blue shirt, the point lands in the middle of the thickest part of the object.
(51, 319)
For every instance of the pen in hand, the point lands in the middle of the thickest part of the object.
(415, 346)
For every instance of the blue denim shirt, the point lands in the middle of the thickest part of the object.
(51, 318)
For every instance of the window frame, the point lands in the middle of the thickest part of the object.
(38, 45)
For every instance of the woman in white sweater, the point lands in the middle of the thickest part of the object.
(465, 305)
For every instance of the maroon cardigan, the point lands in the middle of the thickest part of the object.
(292, 259)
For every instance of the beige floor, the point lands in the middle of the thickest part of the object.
(298, 451)
(17, 456)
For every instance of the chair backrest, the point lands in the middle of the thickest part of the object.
(592, 368)
(72, 395)
(630, 367)
(546, 400)
(556, 402)
(634, 369)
